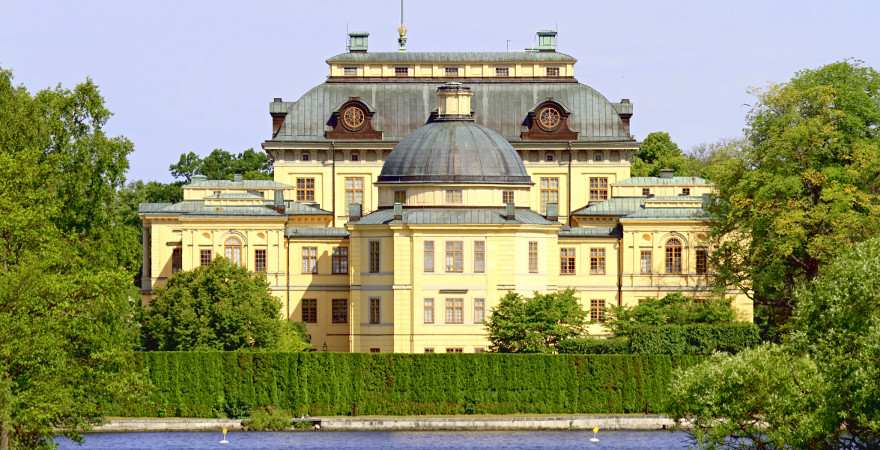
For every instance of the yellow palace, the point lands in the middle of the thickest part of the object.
(413, 190)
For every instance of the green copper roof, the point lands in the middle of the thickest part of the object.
(243, 184)
(633, 207)
(456, 216)
(668, 214)
(659, 181)
(316, 233)
(198, 208)
(581, 232)
(449, 57)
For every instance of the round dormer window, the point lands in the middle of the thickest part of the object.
(549, 118)
(353, 118)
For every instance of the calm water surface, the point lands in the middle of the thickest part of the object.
(474, 440)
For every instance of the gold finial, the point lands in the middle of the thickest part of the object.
(401, 40)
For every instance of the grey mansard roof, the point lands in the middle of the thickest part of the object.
(456, 216)
(454, 151)
(402, 106)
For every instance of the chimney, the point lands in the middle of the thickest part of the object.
(625, 112)
(454, 102)
(552, 211)
(546, 41)
(510, 211)
(278, 112)
(236, 177)
(278, 201)
(398, 211)
(354, 212)
(357, 41)
(666, 173)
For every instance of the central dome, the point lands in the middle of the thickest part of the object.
(454, 149)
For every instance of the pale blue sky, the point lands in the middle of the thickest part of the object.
(195, 75)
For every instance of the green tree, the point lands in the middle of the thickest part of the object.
(657, 151)
(223, 165)
(66, 301)
(220, 306)
(672, 309)
(536, 324)
(806, 186)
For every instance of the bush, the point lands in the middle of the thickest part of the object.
(268, 418)
(593, 346)
(672, 309)
(695, 339)
(208, 384)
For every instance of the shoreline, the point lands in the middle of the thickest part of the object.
(579, 422)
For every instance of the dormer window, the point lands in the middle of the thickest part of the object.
(452, 71)
(401, 71)
(350, 71)
(305, 156)
(553, 71)
(502, 72)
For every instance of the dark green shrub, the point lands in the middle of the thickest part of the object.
(205, 384)
(594, 346)
(268, 418)
(695, 339)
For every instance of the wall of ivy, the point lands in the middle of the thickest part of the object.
(229, 384)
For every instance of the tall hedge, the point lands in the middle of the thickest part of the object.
(218, 384)
(695, 339)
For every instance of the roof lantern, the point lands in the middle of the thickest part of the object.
(357, 41)
(546, 41)
(454, 102)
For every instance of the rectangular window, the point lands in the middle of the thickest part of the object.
(454, 310)
(355, 156)
(597, 261)
(451, 71)
(375, 350)
(479, 256)
(354, 191)
(350, 71)
(429, 256)
(646, 192)
(453, 196)
(567, 261)
(205, 257)
(479, 350)
(339, 310)
(454, 256)
(374, 257)
(340, 260)
(685, 191)
(533, 257)
(260, 260)
(375, 310)
(597, 310)
(549, 192)
(429, 310)
(479, 310)
(305, 189)
(310, 260)
(502, 72)
(598, 188)
(401, 71)
(454, 350)
(176, 260)
(310, 310)
(400, 197)
(429, 349)
(645, 261)
(598, 156)
(305, 156)
(507, 197)
(553, 71)
(702, 260)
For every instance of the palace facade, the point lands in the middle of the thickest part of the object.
(413, 190)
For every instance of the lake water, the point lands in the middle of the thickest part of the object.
(306, 440)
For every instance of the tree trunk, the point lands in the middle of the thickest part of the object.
(4, 437)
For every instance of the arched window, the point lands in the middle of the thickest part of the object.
(673, 256)
(232, 250)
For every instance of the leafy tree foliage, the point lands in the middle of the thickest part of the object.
(806, 187)
(536, 324)
(222, 165)
(66, 301)
(220, 306)
(672, 309)
(656, 152)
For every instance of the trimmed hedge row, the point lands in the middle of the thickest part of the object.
(595, 346)
(218, 384)
(695, 339)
